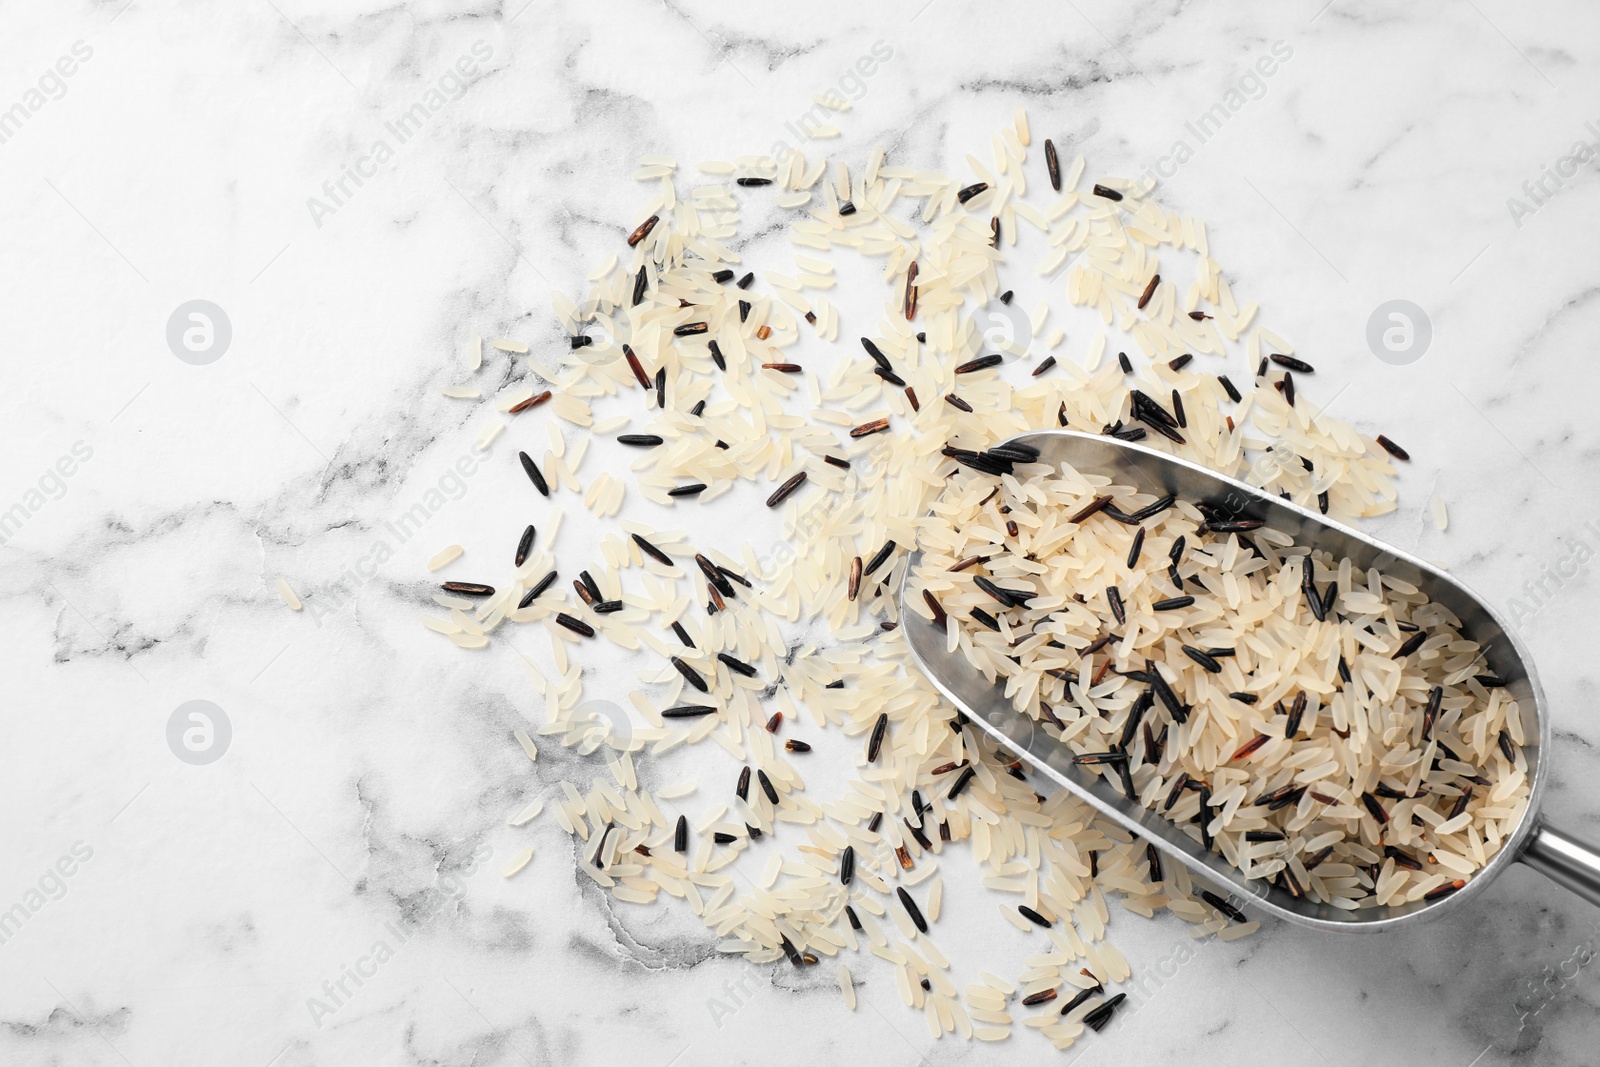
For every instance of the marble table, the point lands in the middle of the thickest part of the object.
(270, 160)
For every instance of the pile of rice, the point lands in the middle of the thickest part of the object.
(1346, 741)
(712, 358)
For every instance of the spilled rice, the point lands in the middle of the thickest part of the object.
(709, 359)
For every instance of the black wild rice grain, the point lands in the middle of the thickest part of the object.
(534, 474)
(469, 588)
(1229, 388)
(835, 461)
(639, 282)
(847, 208)
(1205, 659)
(939, 615)
(1288, 388)
(1125, 362)
(1176, 791)
(690, 675)
(636, 367)
(744, 283)
(524, 545)
(1296, 712)
(722, 276)
(854, 584)
(1401, 859)
(742, 790)
(875, 742)
(962, 781)
(890, 376)
(1431, 712)
(847, 867)
(727, 839)
(688, 711)
(867, 429)
(640, 440)
(1393, 449)
(1234, 525)
(1412, 643)
(652, 551)
(877, 355)
(981, 363)
(792, 745)
(1506, 748)
(1461, 803)
(981, 616)
(1154, 508)
(1172, 603)
(1370, 802)
(544, 583)
(882, 555)
(1109, 194)
(1249, 747)
(1149, 291)
(1044, 996)
(783, 368)
(716, 356)
(577, 626)
(1165, 692)
(680, 835)
(911, 395)
(683, 635)
(692, 489)
(642, 231)
(1298, 365)
(956, 402)
(782, 492)
(971, 191)
(751, 182)
(661, 387)
(1044, 365)
(689, 329)
(1222, 904)
(1258, 836)
(1114, 598)
(605, 607)
(1097, 504)
(738, 665)
(1444, 890)
(1136, 548)
(1082, 995)
(1096, 1020)
(1153, 859)
(532, 402)
(767, 787)
(911, 908)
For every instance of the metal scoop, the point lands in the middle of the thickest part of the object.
(1560, 857)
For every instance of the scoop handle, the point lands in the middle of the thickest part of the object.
(1564, 860)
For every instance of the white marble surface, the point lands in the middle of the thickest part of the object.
(370, 765)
